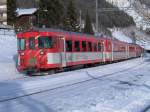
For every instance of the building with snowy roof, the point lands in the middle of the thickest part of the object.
(26, 17)
(3, 12)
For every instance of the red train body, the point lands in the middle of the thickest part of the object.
(44, 49)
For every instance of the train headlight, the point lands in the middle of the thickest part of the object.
(42, 52)
(22, 54)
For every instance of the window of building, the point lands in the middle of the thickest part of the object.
(69, 46)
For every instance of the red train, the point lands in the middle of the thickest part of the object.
(45, 49)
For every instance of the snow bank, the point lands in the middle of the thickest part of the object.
(147, 46)
(8, 46)
(120, 36)
(144, 43)
(8, 55)
(136, 106)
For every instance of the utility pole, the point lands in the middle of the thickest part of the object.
(97, 22)
(80, 21)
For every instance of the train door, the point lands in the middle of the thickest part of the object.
(112, 53)
(108, 50)
(127, 52)
(62, 52)
(104, 51)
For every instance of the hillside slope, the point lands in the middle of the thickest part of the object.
(146, 2)
(107, 19)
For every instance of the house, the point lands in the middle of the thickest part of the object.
(3, 12)
(25, 18)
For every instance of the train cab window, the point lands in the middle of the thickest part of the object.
(83, 46)
(45, 42)
(69, 46)
(89, 46)
(21, 43)
(32, 43)
(77, 46)
(99, 46)
(95, 47)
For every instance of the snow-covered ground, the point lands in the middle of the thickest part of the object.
(119, 87)
(8, 55)
(128, 7)
(134, 9)
(121, 36)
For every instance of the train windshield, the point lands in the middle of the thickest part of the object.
(21, 44)
(45, 42)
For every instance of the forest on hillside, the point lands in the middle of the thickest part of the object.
(146, 2)
(107, 18)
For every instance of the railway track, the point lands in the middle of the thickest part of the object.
(114, 73)
(46, 73)
(80, 82)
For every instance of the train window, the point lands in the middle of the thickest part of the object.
(45, 42)
(109, 46)
(32, 43)
(77, 46)
(131, 49)
(69, 46)
(21, 44)
(84, 46)
(89, 46)
(95, 47)
(122, 49)
(99, 46)
(103, 47)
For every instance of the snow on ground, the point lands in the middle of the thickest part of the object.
(147, 45)
(121, 36)
(119, 87)
(144, 43)
(8, 45)
(8, 51)
(128, 7)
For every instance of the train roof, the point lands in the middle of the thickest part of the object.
(60, 31)
(74, 33)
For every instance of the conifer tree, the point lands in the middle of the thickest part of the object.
(50, 13)
(88, 25)
(71, 18)
(11, 12)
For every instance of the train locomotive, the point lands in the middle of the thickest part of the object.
(49, 49)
